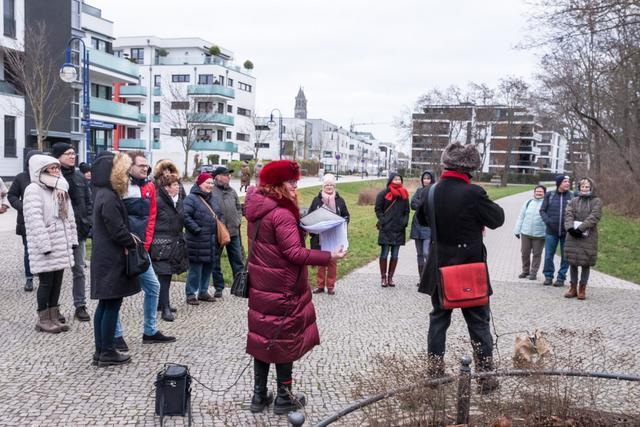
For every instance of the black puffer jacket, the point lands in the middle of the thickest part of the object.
(16, 192)
(80, 196)
(341, 209)
(393, 217)
(201, 232)
(111, 233)
(553, 210)
(168, 248)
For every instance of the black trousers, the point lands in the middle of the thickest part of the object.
(165, 283)
(283, 371)
(49, 289)
(477, 319)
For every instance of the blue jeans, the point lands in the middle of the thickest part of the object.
(550, 245)
(104, 323)
(236, 260)
(25, 259)
(198, 278)
(151, 288)
(384, 251)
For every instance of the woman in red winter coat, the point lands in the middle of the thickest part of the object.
(282, 319)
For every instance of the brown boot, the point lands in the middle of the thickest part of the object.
(572, 292)
(392, 269)
(383, 272)
(54, 313)
(44, 323)
(582, 291)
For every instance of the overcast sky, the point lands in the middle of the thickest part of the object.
(357, 60)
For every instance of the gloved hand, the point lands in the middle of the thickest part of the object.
(575, 232)
(517, 236)
(74, 247)
(578, 233)
(48, 253)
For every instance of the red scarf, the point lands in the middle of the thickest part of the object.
(396, 190)
(457, 175)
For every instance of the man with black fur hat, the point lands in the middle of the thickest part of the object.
(462, 211)
(80, 196)
(552, 211)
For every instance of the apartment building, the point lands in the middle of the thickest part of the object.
(188, 96)
(492, 127)
(553, 152)
(12, 135)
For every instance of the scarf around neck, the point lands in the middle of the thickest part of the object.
(329, 201)
(456, 175)
(396, 190)
(59, 193)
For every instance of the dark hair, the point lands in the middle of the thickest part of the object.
(135, 154)
(540, 186)
(167, 180)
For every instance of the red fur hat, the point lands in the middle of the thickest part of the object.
(275, 173)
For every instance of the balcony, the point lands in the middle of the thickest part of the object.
(155, 118)
(116, 109)
(157, 91)
(200, 60)
(156, 145)
(203, 145)
(211, 90)
(221, 119)
(113, 63)
(133, 144)
(133, 91)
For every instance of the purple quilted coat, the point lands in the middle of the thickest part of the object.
(282, 319)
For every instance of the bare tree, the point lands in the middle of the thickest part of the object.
(182, 120)
(295, 135)
(259, 131)
(514, 93)
(34, 70)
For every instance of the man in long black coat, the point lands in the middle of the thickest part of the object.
(462, 210)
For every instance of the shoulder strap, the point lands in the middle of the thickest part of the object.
(209, 207)
(432, 220)
(527, 205)
(390, 206)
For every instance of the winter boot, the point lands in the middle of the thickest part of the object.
(285, 401)
(113, 357)
(489, 384)
(420, 268)
(55, 315)
(262, 397)
(572, 292)
(582, 291)
(28, 286)
(44, 323)
(383, 272)
(167, 315)
(392, 269)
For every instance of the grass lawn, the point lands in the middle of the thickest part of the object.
(618, 253)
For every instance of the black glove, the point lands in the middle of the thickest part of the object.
(578, 233)
(575, 233)
(74, 247)
(48, 253)
(517, 236)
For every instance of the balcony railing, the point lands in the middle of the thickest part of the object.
(199, 60)
(221, 119)
(157, 91)
(203, 145)
(133, 143)
(116, 109)
(156, 145)
(211, 90)
(132, 90)
(113, 63)
(156, 118)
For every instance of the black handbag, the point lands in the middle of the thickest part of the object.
(137, 258)
(240, 286)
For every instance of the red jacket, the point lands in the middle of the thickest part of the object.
(282, 319)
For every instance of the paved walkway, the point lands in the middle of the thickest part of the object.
(49, 379)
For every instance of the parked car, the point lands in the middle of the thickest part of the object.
(206, 169)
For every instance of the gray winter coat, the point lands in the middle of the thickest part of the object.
(227, 198)
(583, 251)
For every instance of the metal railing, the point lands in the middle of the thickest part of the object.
(463, 398)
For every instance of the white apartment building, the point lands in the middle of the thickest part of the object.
(12, 107)
(553, 152)
(185, 92)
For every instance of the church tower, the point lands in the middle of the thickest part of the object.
(300, 111)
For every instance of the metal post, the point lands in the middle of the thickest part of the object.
(280, 133)
(86, 114)
(464, 391)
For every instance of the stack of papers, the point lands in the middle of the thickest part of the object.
(332, 228)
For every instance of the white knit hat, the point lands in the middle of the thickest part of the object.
(329, 179)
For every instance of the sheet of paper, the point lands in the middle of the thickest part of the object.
(577, 224)
(334, 238)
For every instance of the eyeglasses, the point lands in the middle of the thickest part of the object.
(70, 154)
(53, 168)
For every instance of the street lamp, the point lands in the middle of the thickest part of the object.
(337, 154)
(272, 124)
(69, 74)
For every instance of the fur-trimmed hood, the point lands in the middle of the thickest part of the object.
(462, 158)
(111, 171)
(593, 187)
(162, 165)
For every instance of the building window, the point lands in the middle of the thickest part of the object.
(229, 108)
(220, 80)
(263, 145)
(102, 45)
(244, 112)
(75, 14)
(204, 134)
(156, 80)
(101, 91)
(327, 154)
(180, 78)
(242, 136)
(219, 134)
(205, 79)
(9, 18)
(10, 145)
(230, 82)
(156, 134)
(137, 55)
(75, 111)
(156, 108)
(133, 133)
(180, 105)
(205, 107)
(220, 108)
(229, 134)
(178, 132)
(244, 86)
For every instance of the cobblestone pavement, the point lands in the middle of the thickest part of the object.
(49, 379)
